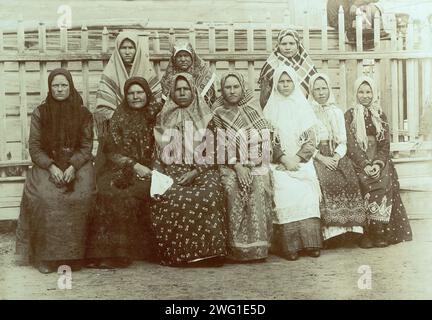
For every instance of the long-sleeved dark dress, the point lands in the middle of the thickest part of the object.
(52, 225)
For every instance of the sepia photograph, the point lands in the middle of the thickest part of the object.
(215, 150)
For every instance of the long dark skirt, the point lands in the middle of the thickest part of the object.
(386, 213)
(189, 221)
(120, 224)
(52, 225)
(295, 236)
(341, 203)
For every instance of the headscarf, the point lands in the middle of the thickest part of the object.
(326, 112)
(358, 123)
(201, 72)
(62, 121)
(128, 125)
(172, 116)
(114, 76)
(292, 116)
(300, 62)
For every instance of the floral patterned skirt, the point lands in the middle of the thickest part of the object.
(188, 221)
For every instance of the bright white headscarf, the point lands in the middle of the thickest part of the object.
(292, 116)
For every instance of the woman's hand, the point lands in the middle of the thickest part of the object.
(69, 174)
(375, 171)
(291, 163)
(243, 174)
(141, 171)
(56, 174)
(329, 162)
(188, 177)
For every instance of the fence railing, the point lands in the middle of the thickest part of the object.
(401, 66)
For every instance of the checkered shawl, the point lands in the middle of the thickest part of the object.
(300, 62)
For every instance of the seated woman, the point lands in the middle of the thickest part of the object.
(296, 189)
(249, 195)
(185, 59)
(188, 220)
(120, 229)
(369, 149)
(60, 187)
(289, 52)
(129, 59)
(342, 206)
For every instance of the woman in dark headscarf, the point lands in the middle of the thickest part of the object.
(120, 225)
(289, 52)
(60, 188)
(189, 219)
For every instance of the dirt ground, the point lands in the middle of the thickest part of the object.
(403, 271)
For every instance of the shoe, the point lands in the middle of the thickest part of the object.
(291, 256)
(106, 264)
(379, 243)
(314, 253)
(366, 243)
(45, 267)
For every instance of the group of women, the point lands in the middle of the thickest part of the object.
(329, 173)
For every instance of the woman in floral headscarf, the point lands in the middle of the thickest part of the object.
(369, 149)
(290, 52)
(185, 59)
(188, 220)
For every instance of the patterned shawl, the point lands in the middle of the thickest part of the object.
(358, 123)
(114, 76)
(300, 62)
(201, 72)
(174, 117)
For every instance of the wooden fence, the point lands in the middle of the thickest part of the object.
(26, 57)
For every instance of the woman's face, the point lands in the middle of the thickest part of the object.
(365, 94)
(288, 46)
(285, 85)
(127, 51)
(182, 93)
(232, 90)
(320, 91)
(183, 60)
(136, 96)
(60, 88)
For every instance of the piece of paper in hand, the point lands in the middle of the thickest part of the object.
(160, 183)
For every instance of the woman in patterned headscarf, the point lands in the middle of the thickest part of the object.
(247, 182)
(342, 205)
(369, 149)
(120, 223)
(290, 52)
(188, 220)
(185, 59)
(60, 187)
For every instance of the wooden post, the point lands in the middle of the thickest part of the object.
(250, 49)
(341, 28)
(85, 66)
(287, 17)
(171, 38)
(156, 49)
(22, 93)
(393, 33)
(231, 45)
(43, 72)
(394, 100)
(343, 102)
(212, 44)
(324, 35)
(411, 87)
(2, 106)
(269, 34)
(105, 40)
(306, 38)
(401, 93)
(192, 36)
(377, 31)
(63, 45)
(359, 31)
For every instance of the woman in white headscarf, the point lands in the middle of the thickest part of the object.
(296, 188)
(369, 149)
(342, 205)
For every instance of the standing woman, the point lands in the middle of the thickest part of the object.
(296, 189)
(290, 52)
(188, 220)
(369, 149)
(60, 187)
(249, 195)
(185, 59)
(342, 205)
(120, 229)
